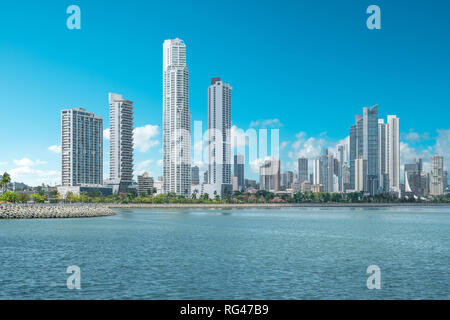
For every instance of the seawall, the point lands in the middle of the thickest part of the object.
(48, 211)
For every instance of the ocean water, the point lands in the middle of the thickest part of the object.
(288, 253)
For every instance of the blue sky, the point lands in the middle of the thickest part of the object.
(311, 65)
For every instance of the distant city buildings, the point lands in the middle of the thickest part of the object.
(239, 170)
(176, 119)
(287, 178)
(81, 148)
(269, 175)
(416, 180)
(205, 176)
(341, 157)
(368, 162)
(325, 172)
(305, 186)
(195, 174)
(378, 144)
(302, 169)
(445, 180)
(316, 188)
(250, 184)
(121, 143)
(235, 183)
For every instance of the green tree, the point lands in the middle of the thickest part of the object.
(38, 197)
(5, 179)
(9, 197)
(23, 197)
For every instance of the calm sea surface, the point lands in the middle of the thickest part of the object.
(289, 253)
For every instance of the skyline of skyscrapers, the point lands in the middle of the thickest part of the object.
(368, 162)
(377, 143)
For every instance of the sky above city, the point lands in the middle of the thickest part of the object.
(303, 67)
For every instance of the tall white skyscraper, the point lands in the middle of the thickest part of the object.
(393, 150)
(316, 171)
(437, 175)
(383, 155)
(81, 148)
(176, 119)
(121, 142)
(219, 140)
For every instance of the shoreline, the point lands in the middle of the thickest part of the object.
(268, 205)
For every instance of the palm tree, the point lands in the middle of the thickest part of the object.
(5, 179)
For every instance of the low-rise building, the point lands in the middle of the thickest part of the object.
(145, 184)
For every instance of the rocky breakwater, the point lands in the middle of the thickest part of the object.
(49, 211)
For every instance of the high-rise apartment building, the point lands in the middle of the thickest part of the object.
(360, 174)
(176, 119)
(437, 175)
(316, 171)
(416, 180)
(121, 142)
(287, 178)
(81, 148)
(269, 175)
(326, 173)
(341, 159)
(195, 174)
(145, 184)
(219, 139)
(364, 144)
(383, 174)
(445, 180)
(393, 152)
(370, 147)
(239, 170)
(302, 169)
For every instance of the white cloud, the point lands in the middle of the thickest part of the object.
(310, 147)
(106, 133)
(144, 164)
(415, 137)
(3, 163)
(24, 162)
(144, 137)
(255, 164)
(160, 163)
(55, 149)
(266, 123)
(25, 172)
